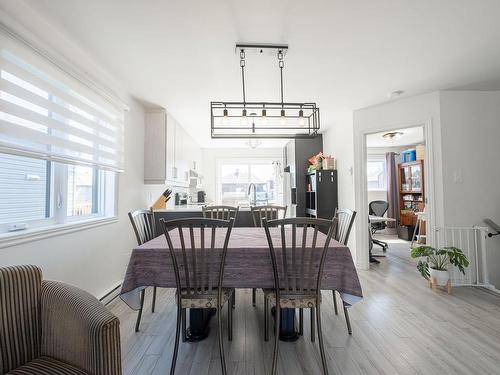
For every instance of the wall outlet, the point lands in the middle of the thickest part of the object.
(458, 177)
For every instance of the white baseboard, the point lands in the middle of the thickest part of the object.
(111, 294)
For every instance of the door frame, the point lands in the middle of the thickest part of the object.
(361, 186)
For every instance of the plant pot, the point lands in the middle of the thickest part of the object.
(441, 277)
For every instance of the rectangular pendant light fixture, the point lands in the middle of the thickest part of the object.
(263, 119)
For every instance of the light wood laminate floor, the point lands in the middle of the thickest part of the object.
(401, 327)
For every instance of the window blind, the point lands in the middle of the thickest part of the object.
(48, 114)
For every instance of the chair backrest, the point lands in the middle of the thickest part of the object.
(268, 212)
(220, 212)
(345, 220)
(198, 251)
(378, 208)
(297, 257)
(144, 225)
(20, 288)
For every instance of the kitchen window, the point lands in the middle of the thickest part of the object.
(235, 176)
(376, 173)
(61, 143)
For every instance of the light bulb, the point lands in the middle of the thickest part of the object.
(283, 118)
(244, 119)
(225, 119)
(302, 121)
(264, 117)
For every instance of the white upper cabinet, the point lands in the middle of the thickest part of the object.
(169, 151)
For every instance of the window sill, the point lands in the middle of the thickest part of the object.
(34, 234)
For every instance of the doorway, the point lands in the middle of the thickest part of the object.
(396, 194)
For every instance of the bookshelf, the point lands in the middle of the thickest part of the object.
(321, 194)
(411, 191)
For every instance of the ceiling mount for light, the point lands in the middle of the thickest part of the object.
(268, 119)
(253, 143)
(392, 135)
(395, 94)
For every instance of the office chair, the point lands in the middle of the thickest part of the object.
(378, 208)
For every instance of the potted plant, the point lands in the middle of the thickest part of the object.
(435, 265)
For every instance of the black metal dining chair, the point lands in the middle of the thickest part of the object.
(268, 212)
(345, 220)
(259, 213)
(198, 256)
(298, 262)
(144, 229)
(220, 212)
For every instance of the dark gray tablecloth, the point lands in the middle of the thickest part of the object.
(248, 265)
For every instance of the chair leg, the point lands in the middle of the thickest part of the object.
(154, 300)
(313, 330)
(301, 322)
(221, 340)
(177, 334)
(276, 338)
(139, 315)
(183, 320)
(320, 339)
(230, 320)
(254, 296)
(347, 320)
(266, 318)
(335, 303)
(414, 233)
(233, 300)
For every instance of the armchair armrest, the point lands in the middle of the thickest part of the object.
(79, 330)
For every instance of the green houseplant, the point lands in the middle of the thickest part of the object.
(436, 262)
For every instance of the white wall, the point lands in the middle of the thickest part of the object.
(338, 142)
(93, 259)
(399, 114)
(211, 155)
(465, 129)
(470, 123)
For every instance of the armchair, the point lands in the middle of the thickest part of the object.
(49, 327)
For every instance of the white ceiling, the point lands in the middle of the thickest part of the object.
(343, 54)
(410, 137)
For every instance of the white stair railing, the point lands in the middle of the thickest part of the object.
(472, 241)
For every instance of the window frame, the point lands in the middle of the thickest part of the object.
(376, 158)
(248, 162)
(104, 197)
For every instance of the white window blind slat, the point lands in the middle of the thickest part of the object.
(63, 123)
(33, 121)
(43, 87)
(48, 114)
(58, 109)
(45, 146)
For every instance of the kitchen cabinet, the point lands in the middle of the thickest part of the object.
(170, 153)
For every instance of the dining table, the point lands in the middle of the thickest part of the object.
(248, 265)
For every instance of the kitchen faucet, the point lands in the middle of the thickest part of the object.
(254, 194)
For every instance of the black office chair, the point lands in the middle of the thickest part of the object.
(378, 208)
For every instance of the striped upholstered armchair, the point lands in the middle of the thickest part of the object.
(47, 327)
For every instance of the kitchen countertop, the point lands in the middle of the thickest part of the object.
(193, 207)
